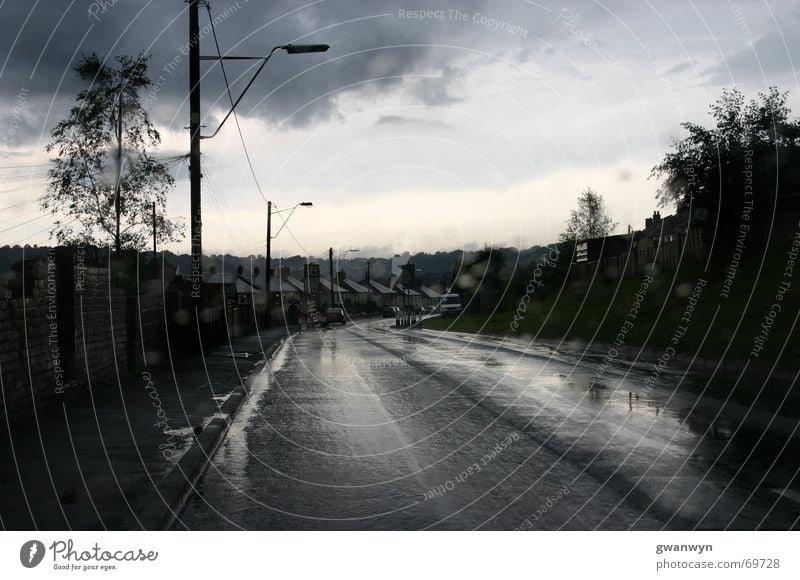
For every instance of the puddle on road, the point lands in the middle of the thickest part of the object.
(490, 361)
(714, 429)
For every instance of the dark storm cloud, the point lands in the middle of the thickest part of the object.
(399, 120)
(376, 47)
(767, 61)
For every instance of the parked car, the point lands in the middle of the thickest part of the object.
(335, 315)
(390, 312)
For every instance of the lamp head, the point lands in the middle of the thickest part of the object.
(305, 48)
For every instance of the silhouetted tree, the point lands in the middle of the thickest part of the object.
(484, 280)
(590, 220)
(104, 181)
(748, 159)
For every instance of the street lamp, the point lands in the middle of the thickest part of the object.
(267, 300)
(304, 48)
(194, 131)
(408, 301)
(289, 48)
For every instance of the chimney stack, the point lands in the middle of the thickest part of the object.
(653, 221)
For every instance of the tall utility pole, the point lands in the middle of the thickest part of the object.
(268, 273)
(118, 192)
(330, 265)
(194, 130)
(194, 153)
(155, 249)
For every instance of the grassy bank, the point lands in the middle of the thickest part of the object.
(719, 325)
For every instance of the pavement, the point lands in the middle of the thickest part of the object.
(125, 455)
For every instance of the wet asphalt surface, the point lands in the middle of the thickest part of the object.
(363, 427)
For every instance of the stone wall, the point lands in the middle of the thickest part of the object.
(62, 328)
(100, 327)
(66, 323)
(30, 361)
(146, 337)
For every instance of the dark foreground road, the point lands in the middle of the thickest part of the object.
(367, 428)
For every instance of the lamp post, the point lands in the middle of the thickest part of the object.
(268, 274)
(412, 299)
(195, 175)
(339, 256)
(338, 259)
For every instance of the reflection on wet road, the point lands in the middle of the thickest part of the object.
(362, 427)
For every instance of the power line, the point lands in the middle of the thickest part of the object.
(30, 235)
(230, 97)
(222, 206)
(26, 222)
(239, 129)
(23, 178)
(22, 203)
(2, 167)
(291, 233)
(162, 159)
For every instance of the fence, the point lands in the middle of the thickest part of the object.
(635, 261)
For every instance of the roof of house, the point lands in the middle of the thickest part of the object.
(245, 287)
(378, 288)
(289, 282)
(398, 261)
(219, 278)
(298, 284)
(407, 291)
(355, 286)
(666, 225)
(231, 283)
(430, 292)
(246, 282)
(278, 285)
(326, 285)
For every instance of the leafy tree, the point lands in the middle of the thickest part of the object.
(484, 280)
(748, 159)
(104, 181)
(590, 220)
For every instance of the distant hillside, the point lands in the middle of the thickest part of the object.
(432, 268)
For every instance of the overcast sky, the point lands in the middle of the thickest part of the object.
(426, 126)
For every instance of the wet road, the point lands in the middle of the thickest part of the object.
(364, 427)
